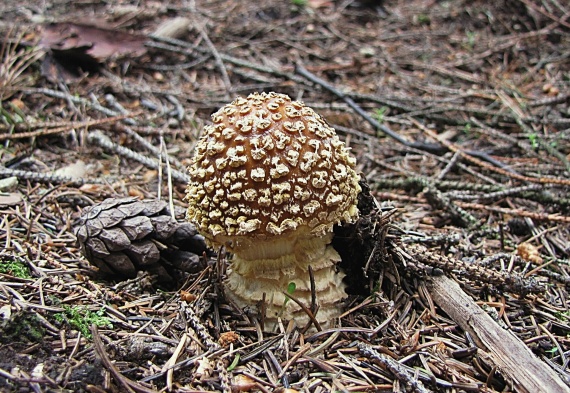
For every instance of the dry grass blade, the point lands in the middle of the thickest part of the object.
(15, 60)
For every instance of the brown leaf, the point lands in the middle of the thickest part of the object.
(76, 48)
(100, 44)
(529, 252)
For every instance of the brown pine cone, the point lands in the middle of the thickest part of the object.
(124, 235)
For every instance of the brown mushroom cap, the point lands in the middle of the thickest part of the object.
(267, 166)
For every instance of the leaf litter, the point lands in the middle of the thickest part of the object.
(474, 189)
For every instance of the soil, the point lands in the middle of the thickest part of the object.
(457, 113)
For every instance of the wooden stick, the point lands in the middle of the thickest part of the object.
(512, 357)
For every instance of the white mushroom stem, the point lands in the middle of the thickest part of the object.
(270, 265)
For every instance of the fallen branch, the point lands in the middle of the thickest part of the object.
(513, 358)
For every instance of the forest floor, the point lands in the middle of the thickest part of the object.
(458, 115)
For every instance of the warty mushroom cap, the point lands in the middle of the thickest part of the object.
(268, 166)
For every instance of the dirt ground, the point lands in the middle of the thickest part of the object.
(458, 115)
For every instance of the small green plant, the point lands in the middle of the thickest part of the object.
(423, 19)
(471, 36)
(380, 113)
(467, 128)
(290, 290)
(552, 351)
(563, 316)
(533, 139)
(235, 362)
(15, 267)
(299, 3)
(81, 318)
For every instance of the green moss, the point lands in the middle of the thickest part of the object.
(81, 318)
(22, 327)
(14, 267)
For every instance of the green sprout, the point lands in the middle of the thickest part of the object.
(533, 138)
(471, 36)
(234, 362)
(380, 113)
(423, 19)
(552, 351)
(562, 316)
(290, 290)
(80, 318)
(299, 3)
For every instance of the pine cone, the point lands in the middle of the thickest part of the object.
(124, 235)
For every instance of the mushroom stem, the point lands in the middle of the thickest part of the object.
(270, 266)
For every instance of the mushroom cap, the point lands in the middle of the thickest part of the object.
(268, 166)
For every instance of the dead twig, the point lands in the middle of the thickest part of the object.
(453, 147)
(105, 142)
(67, 127)
(46, 177)
(394, 367)
(428, 147)
(127, 384)
(556, 217)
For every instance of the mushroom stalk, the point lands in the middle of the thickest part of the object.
(269, 267)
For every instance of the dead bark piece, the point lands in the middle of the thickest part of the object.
(173, 28)
(512, 357)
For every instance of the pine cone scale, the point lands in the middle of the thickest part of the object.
(137, 228)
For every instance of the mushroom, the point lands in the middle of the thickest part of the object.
(268, 181)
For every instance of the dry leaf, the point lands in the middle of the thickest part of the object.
(93, 189)
(75, 48)
(187, 296)
(8, 184)
(173, 28)
(97, 43)
(243, 383)
(136, 192)
(227, 338)
(529, 253)
(150, 175)
(205, 368)
(320, 3)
